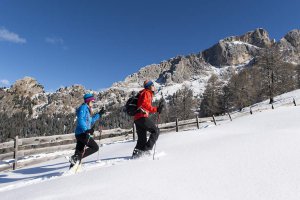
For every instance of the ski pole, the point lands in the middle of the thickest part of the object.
(99, 139)
(157, 121)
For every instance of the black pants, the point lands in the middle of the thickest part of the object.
(142, 126)
(82, 140)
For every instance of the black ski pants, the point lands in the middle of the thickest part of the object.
(83, 140)
(142, 126)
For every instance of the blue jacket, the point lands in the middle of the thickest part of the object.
(84, 119)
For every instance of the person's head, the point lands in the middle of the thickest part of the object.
(149, 85)
(89, 99)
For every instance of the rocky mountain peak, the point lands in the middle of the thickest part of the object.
(259, 37)
(293, 38)
(237, 50)
(290, 46)
(174, 70)
(26, 87)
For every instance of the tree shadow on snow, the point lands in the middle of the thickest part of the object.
(43, 177)
(109, 159)
(43, 172)
(38, 170)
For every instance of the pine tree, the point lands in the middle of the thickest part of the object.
(241, 89)
(182, 104)
(211, 103)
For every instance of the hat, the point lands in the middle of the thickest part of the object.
(88, 97)
(148, 83)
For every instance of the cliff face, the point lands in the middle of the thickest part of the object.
(28, 96)
(290, 46)
(18, 97)
(175, 70)
(237, 50)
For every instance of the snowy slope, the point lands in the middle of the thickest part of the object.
(253, 157)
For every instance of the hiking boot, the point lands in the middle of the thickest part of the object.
(73, 159)
(137, 153)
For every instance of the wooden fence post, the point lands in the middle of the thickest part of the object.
(251, 111)
(197, 120)
(294, 101)
(214, 120)
(16, 153)
(134, 131)
(229, 116)
(272, 106)
(176, 124)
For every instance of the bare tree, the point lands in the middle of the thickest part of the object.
(276, 75)
(297, 69)
(269, 63)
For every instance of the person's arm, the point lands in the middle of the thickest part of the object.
(95, 118)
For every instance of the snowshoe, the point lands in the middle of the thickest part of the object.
(76, 167)
(73, 159)
(137, 153)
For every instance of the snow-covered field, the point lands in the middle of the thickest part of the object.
(253, 157)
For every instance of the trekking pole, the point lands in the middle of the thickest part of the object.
(157, 121)
(99, 140)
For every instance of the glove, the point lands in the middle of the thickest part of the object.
(90, 131)
(160, 106)
(89, 136)
(102, 111)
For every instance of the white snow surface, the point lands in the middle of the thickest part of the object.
(243, 43)
(254, 157)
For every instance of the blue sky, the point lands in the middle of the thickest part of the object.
(96, 43)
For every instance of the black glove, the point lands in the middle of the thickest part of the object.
(102, 111)
(160, 106)
(90, 131)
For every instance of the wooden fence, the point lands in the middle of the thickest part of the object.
(22, 147)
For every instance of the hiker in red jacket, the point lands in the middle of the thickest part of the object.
(143, 123)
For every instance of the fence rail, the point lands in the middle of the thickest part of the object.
(22, 147)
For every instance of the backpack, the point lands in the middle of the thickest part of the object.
(131, 105)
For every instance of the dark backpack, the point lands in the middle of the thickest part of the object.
(131, 105)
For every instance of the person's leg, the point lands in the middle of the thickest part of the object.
(142, 134)
(92, 147)
(82, 141)
(78, 150)
(154, 133)
(80, 145)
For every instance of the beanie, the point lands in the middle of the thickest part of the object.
(88, 97)
(147, 83)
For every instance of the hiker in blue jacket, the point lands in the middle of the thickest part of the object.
(84, 129)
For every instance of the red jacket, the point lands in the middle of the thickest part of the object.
(144, 104)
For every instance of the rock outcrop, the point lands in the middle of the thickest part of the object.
(290, 46)
(237, 50)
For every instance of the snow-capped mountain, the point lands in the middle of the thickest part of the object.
(193, 71)
(223, 59)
